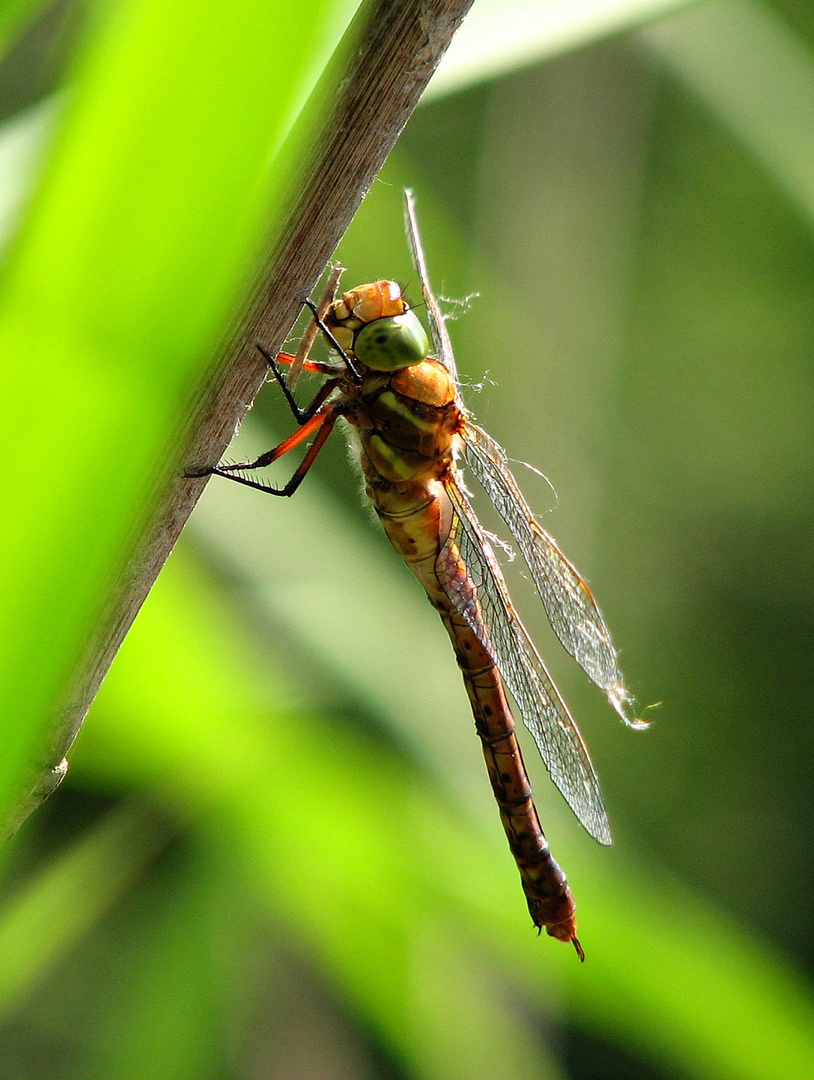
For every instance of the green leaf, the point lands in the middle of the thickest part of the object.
(500, 37)
(757, 76)
(46, 916)
(154, 202)
(13, 16)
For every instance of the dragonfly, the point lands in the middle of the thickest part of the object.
(411, 432)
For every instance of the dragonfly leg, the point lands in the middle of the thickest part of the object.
(302, 416)
(322, 423)
(300, 361)
(314, 416)
(353, 371)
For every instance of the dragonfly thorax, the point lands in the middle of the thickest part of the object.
(407, 420)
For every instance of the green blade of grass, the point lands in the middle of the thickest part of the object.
(163, 1016)
(152, 204)
(48, 914)
(757, 75)
(503, 36)
(13, 16)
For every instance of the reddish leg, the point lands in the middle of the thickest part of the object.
(322, 423)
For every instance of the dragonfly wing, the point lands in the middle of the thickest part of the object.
(438, 327)
(569, 605)
(470, 576)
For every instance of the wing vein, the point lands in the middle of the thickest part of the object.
(471, 578)
(569, 604)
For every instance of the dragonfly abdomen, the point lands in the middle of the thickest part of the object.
(548, 895)
(407, 412)
(416, 517)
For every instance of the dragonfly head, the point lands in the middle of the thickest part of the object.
(374, 323)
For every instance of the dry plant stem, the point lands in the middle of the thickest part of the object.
(310, 335)
(399, 44)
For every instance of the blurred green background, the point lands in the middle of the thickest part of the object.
(276, 854)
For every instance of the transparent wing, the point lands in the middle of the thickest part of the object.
(471, 578)
(569, 605)
(438, 328)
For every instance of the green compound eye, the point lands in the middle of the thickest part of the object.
(392, 344)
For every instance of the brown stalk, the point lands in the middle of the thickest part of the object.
(398, 45)
(312, 330)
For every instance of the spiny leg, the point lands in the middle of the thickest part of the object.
(300, 360)
(322, 423)
(353, 371)
(310, 419)
(302, 416)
